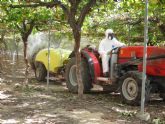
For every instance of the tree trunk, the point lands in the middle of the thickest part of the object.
(162, 29)
(17, 54)
(25, 34)
(16, 47)
(2, 40)
(77, 36)
(26, 62)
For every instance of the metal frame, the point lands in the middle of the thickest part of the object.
(144, 57)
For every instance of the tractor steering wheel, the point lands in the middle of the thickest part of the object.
(110, 52)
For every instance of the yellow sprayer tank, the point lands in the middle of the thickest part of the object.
(58, 57)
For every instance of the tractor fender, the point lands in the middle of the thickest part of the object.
(93, 63)
(90, 64)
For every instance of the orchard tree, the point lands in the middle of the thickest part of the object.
(134, 10)
(75, 15)
(3, 44)
(24, 20)
(3, 30)
(75, 12)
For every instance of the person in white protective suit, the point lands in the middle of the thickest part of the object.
(105, 46)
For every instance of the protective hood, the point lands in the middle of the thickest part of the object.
(107, 32)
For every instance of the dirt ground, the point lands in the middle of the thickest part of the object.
(53, 104)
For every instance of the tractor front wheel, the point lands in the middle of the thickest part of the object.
(40, 71)
(71, 78)
(131, 86)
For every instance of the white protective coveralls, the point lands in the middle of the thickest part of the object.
(105, 46)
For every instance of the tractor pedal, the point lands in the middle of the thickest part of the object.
(104, 79)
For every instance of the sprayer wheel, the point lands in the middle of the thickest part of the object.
(40, 71)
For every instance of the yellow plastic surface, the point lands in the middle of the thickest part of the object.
(57, 58)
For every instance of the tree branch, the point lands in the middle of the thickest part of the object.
(24, 25)
(43, 4)
(38, 4)
(26, 32)
(72, 1)
(133, 22)
(31, 27)
(85, 11)
(19, 28)
(74, 6)
(151, 19)
(72, 13)
(65, 9)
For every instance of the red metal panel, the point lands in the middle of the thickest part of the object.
(126, 53)
(155, 67)
(97, 68)
(138, 50)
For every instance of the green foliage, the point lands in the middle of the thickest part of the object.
(106, 14)
(15, 17)
(158, 121)
(128, 113)
(127, 20)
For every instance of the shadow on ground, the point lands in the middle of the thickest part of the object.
(40, 103)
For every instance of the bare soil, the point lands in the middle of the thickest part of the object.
(53, 104)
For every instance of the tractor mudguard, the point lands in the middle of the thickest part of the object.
(94, 65)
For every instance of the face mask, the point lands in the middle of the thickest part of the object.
(110, 36)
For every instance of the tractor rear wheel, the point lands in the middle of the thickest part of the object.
(71, 79)
(131, 86)
(40, 71)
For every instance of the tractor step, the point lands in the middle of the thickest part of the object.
(104, 79)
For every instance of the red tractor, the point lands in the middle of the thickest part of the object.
(125, 72)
